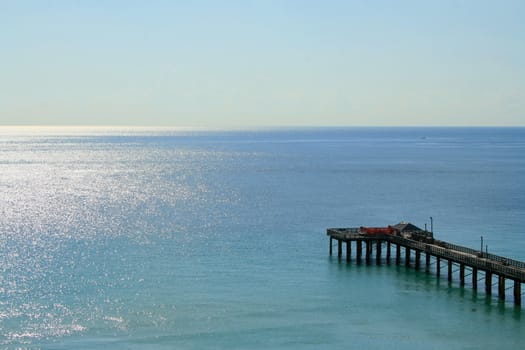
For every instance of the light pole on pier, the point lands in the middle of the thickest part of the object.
(481, 250)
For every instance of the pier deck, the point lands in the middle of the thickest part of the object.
(421, 242)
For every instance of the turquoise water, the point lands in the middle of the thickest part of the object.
(181, 239)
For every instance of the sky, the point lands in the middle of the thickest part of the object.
(251, 63)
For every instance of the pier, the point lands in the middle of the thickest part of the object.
(407, 244)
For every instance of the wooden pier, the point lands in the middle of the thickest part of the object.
(415, 243)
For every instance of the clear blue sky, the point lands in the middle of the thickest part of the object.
(262, 63)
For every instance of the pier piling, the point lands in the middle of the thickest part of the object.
(378, 251)
(418, 259)
(517, 292)
(398, 254)
(368, 248)
(488, 282)
(501, 287)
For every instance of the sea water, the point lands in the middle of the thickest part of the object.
(191, 239)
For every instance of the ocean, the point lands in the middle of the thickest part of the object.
(135, 238)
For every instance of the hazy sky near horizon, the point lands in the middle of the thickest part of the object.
(262, 63)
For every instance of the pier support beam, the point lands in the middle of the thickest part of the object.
(388, 252)
(427, 262)
(517, 292)
(474, 278)
(501, 287)
(331, 243)
(438, 266)
(488, 282)
(398, 254)
(450, 270)
(359, 248)
(348, 250)
(378, 252)
(462, 275)
(368, 250)
(418, 259)
(407, 256)
(339, 248)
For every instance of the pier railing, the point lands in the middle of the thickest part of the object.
(466, 256)
(501, 259)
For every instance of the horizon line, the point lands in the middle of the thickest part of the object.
(239, 127)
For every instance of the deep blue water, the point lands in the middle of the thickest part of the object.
(153, 239)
